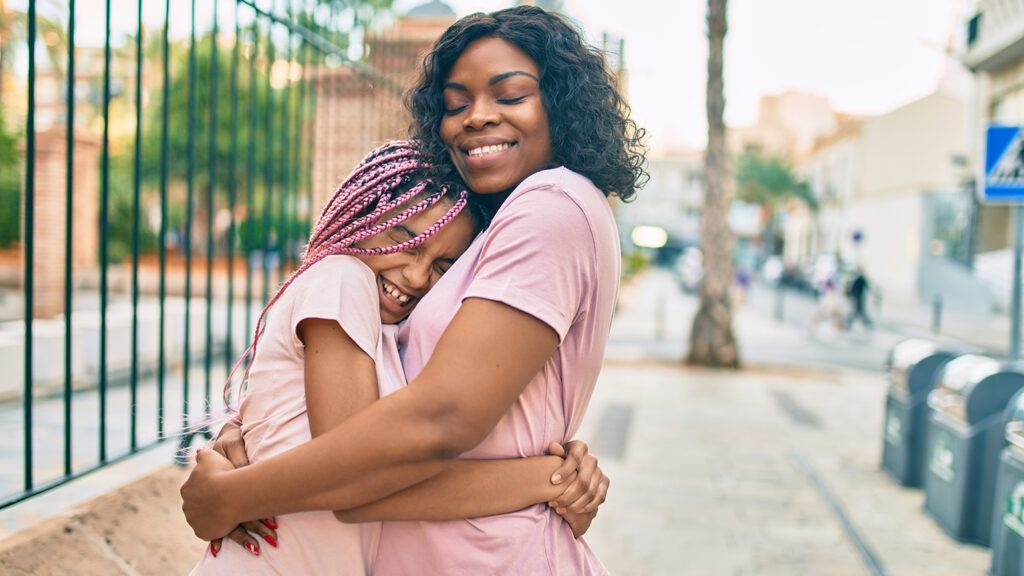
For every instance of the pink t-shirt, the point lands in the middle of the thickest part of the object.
(552, 251)
(274, 418)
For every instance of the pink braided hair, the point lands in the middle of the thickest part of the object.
(392, 177)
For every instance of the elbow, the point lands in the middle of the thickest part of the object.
(350, 516)
(454, 431)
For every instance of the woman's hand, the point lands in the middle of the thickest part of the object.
(581, 498)
(231, 445)
(201, 496)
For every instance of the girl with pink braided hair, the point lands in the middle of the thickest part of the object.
(325, 347)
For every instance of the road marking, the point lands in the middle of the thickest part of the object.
(871, 560)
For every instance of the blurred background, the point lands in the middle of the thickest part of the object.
(766, 405)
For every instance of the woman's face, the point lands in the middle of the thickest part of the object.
(495, 125)
(404, 277)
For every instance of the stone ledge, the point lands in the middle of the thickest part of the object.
(135, 530)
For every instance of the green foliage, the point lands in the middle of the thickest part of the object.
(10, 186)
(769, 181)
(634, 262)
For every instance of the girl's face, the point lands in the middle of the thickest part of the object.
(404, 277)
(495, 124)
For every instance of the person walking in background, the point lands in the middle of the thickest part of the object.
(830, 308)
(857, 292)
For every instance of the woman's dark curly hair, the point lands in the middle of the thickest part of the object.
(591, 131)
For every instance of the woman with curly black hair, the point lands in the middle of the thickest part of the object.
(503, 354)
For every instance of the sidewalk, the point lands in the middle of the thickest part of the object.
(713, 472)
(751, 472)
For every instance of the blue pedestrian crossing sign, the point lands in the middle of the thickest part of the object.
(1004, 164)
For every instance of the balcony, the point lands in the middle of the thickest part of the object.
(995, 35)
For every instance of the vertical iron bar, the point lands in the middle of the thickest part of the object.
(210, 206)
(300, 149)
(268, 170)
(283, 239)
(250, 180)
(164, 160)
(133, 380)
(187, 245)
(68, 235)
(30, 216)
(104, 235)
(310, 145)
(229, 344)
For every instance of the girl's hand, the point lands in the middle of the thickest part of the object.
(231, 445)
(579, 501)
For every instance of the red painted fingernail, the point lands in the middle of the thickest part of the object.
(269, 523)
(213, 550)
(270, 539)
(253, 548)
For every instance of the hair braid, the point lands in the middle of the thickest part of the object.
(389, 186)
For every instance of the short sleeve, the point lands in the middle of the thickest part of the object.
(342, 289)
(539, 257)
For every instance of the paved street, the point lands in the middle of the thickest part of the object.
(753, 472)
(770, 470)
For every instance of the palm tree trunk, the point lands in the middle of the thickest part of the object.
(712, 341)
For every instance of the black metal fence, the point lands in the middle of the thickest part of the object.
(165, 176)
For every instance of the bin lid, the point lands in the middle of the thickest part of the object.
(963, 372)
(910, 352)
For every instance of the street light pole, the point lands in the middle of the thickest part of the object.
(1015, 308)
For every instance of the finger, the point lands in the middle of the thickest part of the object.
(588, 496)
(246, 541)
(571, 494)
(263, 531)
(556, 449)
(231, 445)
(215, 546)
(270, 522)
(577, 450)
(602, 495)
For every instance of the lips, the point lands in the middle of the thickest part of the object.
(394, 298)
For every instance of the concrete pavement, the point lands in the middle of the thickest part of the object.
(770, 470)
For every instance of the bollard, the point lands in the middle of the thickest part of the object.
(659, 317)
(779, 302)
(936, 314)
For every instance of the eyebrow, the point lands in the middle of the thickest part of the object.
(494, 80)
(407, 231)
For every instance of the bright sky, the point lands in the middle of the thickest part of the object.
(867, 56)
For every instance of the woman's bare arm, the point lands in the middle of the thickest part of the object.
(484, 360)
(467, 489)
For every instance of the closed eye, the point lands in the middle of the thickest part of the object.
(511, 100)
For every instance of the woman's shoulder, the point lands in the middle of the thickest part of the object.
(572, 184)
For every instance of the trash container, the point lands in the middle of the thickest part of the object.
(912, 367)
(964, 439)
(1008, 504)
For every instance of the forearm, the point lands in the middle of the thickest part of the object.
(474, 375)
(467, 489)
(337, 470)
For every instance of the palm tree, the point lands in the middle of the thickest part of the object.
(712, 341)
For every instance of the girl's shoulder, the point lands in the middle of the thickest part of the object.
(339, 273)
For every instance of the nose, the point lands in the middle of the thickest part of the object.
(417, 274)
(481, 114)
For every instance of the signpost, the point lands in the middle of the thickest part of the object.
(1003, 183)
